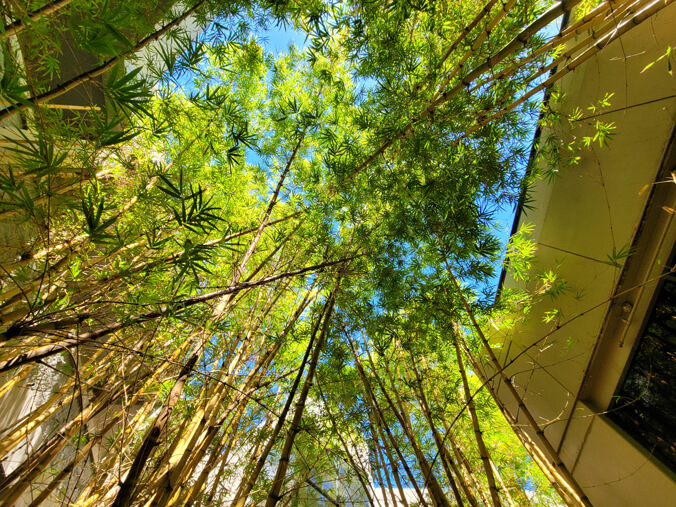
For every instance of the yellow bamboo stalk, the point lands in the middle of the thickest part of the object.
(19, 25)
(15, 379)
(88, 495)
(626, 25)
(68, 391)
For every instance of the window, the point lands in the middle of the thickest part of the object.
(644, 403)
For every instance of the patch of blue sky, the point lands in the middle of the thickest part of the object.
(277, 39)
(506, 215)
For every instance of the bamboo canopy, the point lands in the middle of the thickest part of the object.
(230, 276)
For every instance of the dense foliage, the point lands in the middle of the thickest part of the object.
(231, 274)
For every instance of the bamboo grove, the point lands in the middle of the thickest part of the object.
(235, 277)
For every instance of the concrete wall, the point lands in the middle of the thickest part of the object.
(584, 213)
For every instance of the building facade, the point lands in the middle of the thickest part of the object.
(596, 365)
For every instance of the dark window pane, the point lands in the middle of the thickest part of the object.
(646, 406)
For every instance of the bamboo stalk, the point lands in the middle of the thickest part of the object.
(462, 461)
(481, 446)
(15, 379)
(10, 318)
(16, 27)
(569, 483)
(88, 496)
(533, 450)
(393, 465)
(34, 466)
(176, 472)
(376, 456)
(380, 459)
(446, 459)
(357, 469)
(294, 428)
(248, 483)
(70, 467)
(374, 403)
(152, 439)
(505, 491)
(64, 395)
(171, 469)
(431, 482)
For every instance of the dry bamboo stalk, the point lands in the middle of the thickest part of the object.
(88, 496)
(208, 392)
(238, 406)
(378, 467)
(66, 393)
(214, 458)
(569, 483)
(152, 439)
(363, 467)
(483, 451)
(251, 465)
(294, 427)
(19, 25)
(79, 456)
(187, 447)
(34, 466)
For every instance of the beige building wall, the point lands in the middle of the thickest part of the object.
(581, 216)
